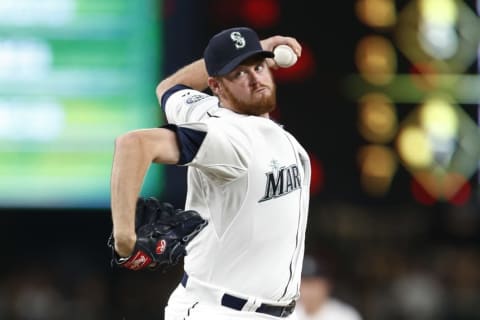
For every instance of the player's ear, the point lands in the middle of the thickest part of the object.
(214, 85)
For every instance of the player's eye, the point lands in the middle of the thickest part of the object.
(239, 74)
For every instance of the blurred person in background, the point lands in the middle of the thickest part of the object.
(316, 300)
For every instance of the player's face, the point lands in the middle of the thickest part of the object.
(314, 291)
(249, 88)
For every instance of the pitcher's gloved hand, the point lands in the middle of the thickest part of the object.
(162, 235)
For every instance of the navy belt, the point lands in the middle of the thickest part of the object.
(238, 303)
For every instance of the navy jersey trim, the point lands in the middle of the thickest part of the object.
(189, 141)
(171, 91)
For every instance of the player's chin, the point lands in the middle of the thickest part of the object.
(266, 105)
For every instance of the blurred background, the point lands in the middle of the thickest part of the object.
(385, 98)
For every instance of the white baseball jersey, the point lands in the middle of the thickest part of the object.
(250, 179)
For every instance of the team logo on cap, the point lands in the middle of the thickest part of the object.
(237, 39)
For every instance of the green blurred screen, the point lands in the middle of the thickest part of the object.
(74, 74)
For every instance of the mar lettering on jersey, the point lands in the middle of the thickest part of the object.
(281, 181)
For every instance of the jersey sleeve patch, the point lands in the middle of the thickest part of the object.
(189, 141)
(186, 105)
(171, 91)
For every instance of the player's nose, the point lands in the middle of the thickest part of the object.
(253, 78)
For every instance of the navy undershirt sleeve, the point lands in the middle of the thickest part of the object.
(189, 141)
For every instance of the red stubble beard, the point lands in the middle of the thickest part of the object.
(266, 103)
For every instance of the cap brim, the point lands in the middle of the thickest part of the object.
(238, 60)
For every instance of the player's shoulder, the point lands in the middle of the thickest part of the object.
(183, 104)
(224, 117)
(185, 95)
(226, 126)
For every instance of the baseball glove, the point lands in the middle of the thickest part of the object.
(162, 235)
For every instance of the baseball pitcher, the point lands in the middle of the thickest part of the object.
(248, 180)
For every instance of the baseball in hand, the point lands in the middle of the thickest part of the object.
(284, 56)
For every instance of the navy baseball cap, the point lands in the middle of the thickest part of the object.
(228, 48)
